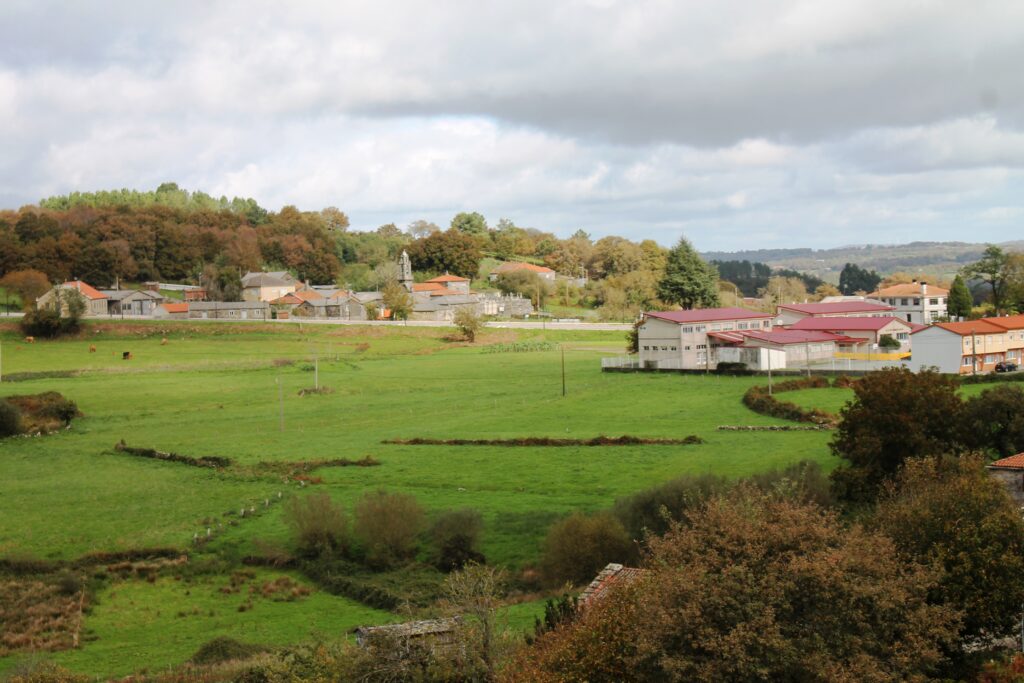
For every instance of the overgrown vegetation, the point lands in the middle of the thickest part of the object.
(36, 413)
(542, 441)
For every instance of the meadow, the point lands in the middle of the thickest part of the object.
(233, 391)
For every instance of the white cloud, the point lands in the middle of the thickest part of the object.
(747, 123)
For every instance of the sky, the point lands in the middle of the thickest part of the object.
(740, 124)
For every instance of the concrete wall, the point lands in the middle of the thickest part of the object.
(937, 347)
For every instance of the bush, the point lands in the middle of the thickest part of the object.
(654, 509)
(468, 322)
(224, 649)
(803, 482)
(886, 341)
(320, 526)
(456, 536)
(732, 369)
(388, 526)
(579, 546)
(10, 419)
(760, 401)
(993, 420)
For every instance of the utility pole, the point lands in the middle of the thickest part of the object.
(769, 350)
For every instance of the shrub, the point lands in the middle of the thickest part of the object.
(803, 481)
(993, 420)
(36, 670)
(10, 419)
(654, 509)
(760, 401)
(456, 537)
(388, 525)
(320, 526)
(224, 649)
(732, 369)
(886, 341)
(468, 322)
(579, 546)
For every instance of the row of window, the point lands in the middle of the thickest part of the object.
(916, 302)
(989, 358)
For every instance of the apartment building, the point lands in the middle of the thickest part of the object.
(679, 339)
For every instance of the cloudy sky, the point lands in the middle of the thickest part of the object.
(740, 123)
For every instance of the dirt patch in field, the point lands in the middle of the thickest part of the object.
(41, 614)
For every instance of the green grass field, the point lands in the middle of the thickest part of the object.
(225, 390)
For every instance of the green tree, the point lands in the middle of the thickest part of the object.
(953, 514)
(853, 279)
(397, 300)
(388, 525)
(756, 588)
(895, 415)
(577, 547)
(992, 270)
(993, 420)
(960, 302)
(468, 322)
(688, 280)
(470, 224)
(527, 284)
(450, 251)
(29, 285)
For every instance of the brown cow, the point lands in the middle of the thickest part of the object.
(92, 348)
(30, 340)
(163, 342)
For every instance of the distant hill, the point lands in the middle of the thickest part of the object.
(933, 259)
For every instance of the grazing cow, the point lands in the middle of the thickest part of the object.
(30, 340)
(92, 348)
(127, 355)
(163, 342)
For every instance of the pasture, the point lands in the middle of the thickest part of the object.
(233, 391)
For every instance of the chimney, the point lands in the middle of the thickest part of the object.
(924, 288)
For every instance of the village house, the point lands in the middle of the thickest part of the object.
(970, 347)
(679, 339)
(543, 272)
(95, 301)
(267, 286)
(340, 306)
(788, 314)
(869, 330)
(131, 301)
(916, 302)
(1014, 326)
(450, 282)
(229, 310)
(171, 311)
(1010, 471)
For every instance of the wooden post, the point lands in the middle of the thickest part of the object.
(563, 368)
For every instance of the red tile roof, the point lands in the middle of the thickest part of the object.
(512, 266)
(427, 287)
(968, 327)
(308, 294)
(846, 323)
(838, 307)
(706, 315)
(1014, 462)
(87, 291)
(287, 299)
(448, 278)
(612, 575)
(175, 308)
(1009, 322)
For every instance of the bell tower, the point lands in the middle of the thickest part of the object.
(405, 271)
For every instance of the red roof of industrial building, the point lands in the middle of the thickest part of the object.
(1013, 462)
(783, 337)
(175, 308)
(837, 307)
(706, 315)
(1008, 322)
(88, 291)
(841, 322)
(968, 327)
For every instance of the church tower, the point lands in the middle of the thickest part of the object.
(405, 271)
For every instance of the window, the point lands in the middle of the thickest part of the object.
(766, 324)
(686, 348)
(991, 358)
(647, 348)
(903, 302)
(672, 348)
(741, 326)
(917, 302)
(933, 302)
(702, 358)
(902, 336)
(688, 329)
(967, 361)
(699, 328)
(967, 341)
(716, 327)
(727, 326)
(702, 346)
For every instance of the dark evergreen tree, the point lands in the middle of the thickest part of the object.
(853, 279)
(960, 301)
(688, 280)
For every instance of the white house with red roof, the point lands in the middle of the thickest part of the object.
(917, 302)
(791, 313)
(95, 300)
(679, 339)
